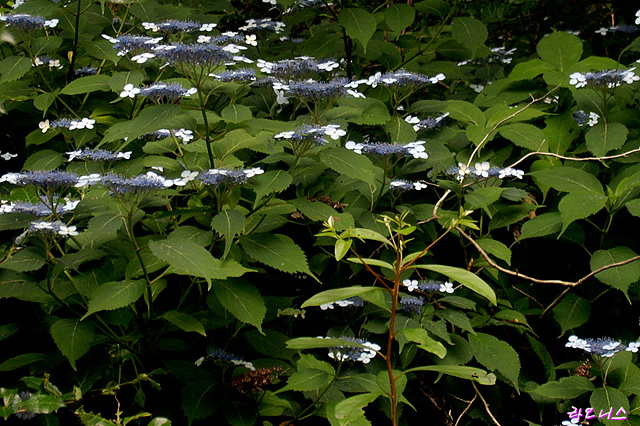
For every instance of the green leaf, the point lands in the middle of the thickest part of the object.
(43, 101)
(330, 296)
(102, 49)
(200, 399)
(228, 223)
(242, 299)
(270, 343)
(461, 371)
(529, 70)
(269, 182)
(358, 23)
(233, 141)
(115, 295)
(14, 67)
(464, 277)
(349, 412)
(568, 179)
(277, 251)
(496, 355)
(188, 258)
(526, 136)
(605, 136)
(185, 322)
(495, 248)
(40, 404)
(634, 207)
(608, 397)
(400, 131)
(560, 49)
(510, 214)
(466, 112)
(312, 374)
(539, 226)
(374, 262)
(236, 113)
(469, 32)
(149, 120)
(482, 197)
(27, 259)
(572, 312)
(620, 277)
(565, 388)
(424, 341)
(579, 205)
(300, 343)
(348, 163)
(399, 16)
(87, 84)
(73, 338)
(21, 360)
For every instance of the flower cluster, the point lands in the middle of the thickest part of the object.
(141, 183)
(159, 91)
(127, 43)
(428, 286)
(23, 21)
(314, 91)
(402, 78)
(427, 123)
(603, 346)
(67, 123)
(604, 79)
(350, 353)
(483, 170)
(406, 185)
(497, 55)
(299, 68)
(37, 209)
(52, 228)
(229, 177)
(175, 25)
(629, 29)
(8, 156)
(354, 302)
(220, 355)
(266, 25)
(304, 4)
(21, 413)
(185, 177)
(48, 180)
(411, 304)
(85, 71)
(583, 118)
(412, 149)
(314, 134)
(184, 135)
(241, 75)
(201, 54)
(98, 155)
(45, 60)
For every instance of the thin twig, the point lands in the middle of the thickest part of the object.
(466, 409)
(555, 302)
(486, 406)
(562, 157)
(536, 280)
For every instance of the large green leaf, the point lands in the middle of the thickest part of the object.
(560, 49)
(608, 397)
(242, 299)
(469, 32)
(461, 371)
(149, 120)
(87, 84)
(466, 112)
(399, 16)
(27, 259)
(73, 338)
(579, 205)
(349, 412)
(14, 67)
(539, 226)
(373, 294)
(358, 23)
(496, 355)
(349, 163)
(236, 113)
(269, 182)
(277, 251)
(185, 322)
(565, 388)
(188, 258)
(620, 277)
(605, 136)
(21, 360)
(115, 295)
(495, 248)
(228, 223)
(525, 135)
(568, 179)
(233, 141)
(424, 341)
(572, 312)
(464, 277)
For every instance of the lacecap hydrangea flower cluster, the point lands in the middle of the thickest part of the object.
(603, 346)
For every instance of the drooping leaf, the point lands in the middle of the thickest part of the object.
(469, 32)
(228, 223)
(464, 277)
(242, 299)
(540, 226)
(21, 360)
(73, 338)
(572, 312)
(466, 112)
(560, 49)
(358, 23)
(373, 294)
(579, 205)
(399, 16)
(87, 84)
(349, 412)
(495, 248)
(115, 295)
(526, 136)
(349, 163)
(568, 179)
(605, 137)
(566, 388)
(185, 322)
(149, 120)
(461, 371)
(620, 277)
(424, 341)
(496, 355)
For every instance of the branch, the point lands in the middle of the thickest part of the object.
(486, 406)
(536, 280)
(551, 154)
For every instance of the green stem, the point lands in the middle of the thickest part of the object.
(75, 43)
